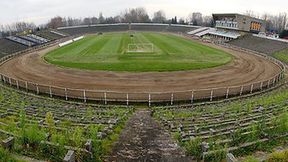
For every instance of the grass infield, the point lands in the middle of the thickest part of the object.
(282, 55)
(110, 52)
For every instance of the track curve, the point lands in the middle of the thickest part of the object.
(244, 69)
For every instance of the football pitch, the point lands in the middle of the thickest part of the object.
(156, 52)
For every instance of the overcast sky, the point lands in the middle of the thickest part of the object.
(40, 11)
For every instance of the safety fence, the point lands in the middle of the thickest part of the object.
(150, 98)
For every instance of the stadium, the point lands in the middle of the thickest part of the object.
(144, 92)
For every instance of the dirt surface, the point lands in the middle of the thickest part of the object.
(244, 69)
(143, 139)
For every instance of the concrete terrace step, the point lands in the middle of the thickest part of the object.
(143, 139)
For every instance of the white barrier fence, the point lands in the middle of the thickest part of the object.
(65, 43)
(78, 38)
(168, 97)
(70, 41)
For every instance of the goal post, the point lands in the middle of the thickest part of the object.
(140, 48)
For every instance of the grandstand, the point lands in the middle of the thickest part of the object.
(28, 38)
(42, 40)
(47, 34)
(238, 22)
(8, 47)
(263, 45)
(58, 33)
(229, 35)
(181, 28)
(211, 131)
(66, 118)
(149, 27)
(21, 41)
(88, 29)
(229, 27)
(197, 30)
(13, 44)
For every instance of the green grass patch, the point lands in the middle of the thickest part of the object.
(282, 55)
(110, 52)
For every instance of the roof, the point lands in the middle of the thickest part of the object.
(234, 14)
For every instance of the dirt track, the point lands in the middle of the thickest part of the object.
(244, 69)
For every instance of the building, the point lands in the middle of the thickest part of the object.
(239, 22)
(229, 27)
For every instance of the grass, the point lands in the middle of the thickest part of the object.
(109, 52)
(282, 55)
(6, 156)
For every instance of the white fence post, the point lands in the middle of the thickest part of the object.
(192, 97)
(211, 95)
(10, 82)
(37, 89)
(17, 84)
(268, 85)
(50, 91)
(261, 86)
(26, 86)
(172, 98)
(149, 100)
(66, 97)
(127, 101)
(84, 95)
(251, 88)
(227, 93)
(241, 90)
(105, 98)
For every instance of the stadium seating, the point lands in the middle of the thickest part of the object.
(58, 33)
(203, 32)
(235, 126)
(181, 28)
(149, 27)
(38, 38)
(67, 118)
(21, 41)
(223, 33)
(78, 30)
(36, 41)
(48, 35)
(259, 44)
(198, 30)
(9, 47)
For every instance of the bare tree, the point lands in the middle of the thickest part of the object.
(87, 21)
(208, 21)
(275, 22)
(135, 15)
(159, 17)
(101, 19)
(57, 22)
(196, 18)
(181, 21)
(94, 20)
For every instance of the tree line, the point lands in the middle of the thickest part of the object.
(275, 23)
